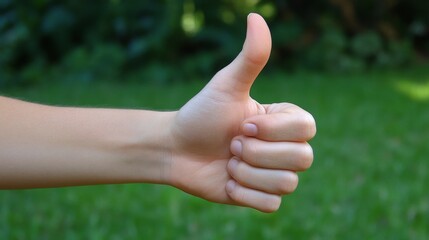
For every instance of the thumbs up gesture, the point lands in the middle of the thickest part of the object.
(228, 148)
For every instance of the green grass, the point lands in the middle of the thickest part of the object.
(368, 180)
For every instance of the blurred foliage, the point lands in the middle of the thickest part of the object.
(168, 40)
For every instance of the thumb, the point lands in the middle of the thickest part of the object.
(239, 75)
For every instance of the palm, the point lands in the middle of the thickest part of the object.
(205, 127)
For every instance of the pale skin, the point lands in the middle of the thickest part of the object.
(222, 145)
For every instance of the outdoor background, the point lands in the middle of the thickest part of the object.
(360, 67)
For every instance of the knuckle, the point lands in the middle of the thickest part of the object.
(255, 59)
(288, 182)
(272, 204)
(307, 125)
(311, 126)
(306, 158)
(291, 107)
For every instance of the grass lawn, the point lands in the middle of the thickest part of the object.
(367, 181)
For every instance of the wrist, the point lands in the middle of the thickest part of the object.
(146, 152)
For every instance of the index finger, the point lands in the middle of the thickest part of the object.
(297, 125)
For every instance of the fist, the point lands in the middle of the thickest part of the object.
(269, 151)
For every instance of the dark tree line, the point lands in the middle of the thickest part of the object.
(42, 40)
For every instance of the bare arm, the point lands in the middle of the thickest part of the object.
(45, 146)
(222, 145)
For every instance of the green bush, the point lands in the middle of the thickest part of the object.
(104, 61)
(328, 51)
(103, 39)
(366, 45)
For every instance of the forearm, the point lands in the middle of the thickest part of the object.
(45, 146)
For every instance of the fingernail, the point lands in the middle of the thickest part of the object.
(230, 186)
(250, 129)
(236, 148)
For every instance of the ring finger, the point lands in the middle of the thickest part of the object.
(267, 180)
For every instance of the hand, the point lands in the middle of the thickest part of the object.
(228, 148)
